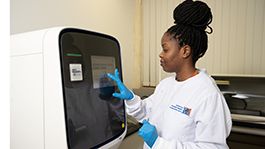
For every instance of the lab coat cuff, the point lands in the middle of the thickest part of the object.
(161, 143)
(157, 144)
(132, 101)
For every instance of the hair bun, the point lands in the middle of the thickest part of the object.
(195, 14)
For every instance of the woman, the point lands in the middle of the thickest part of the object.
(186, 110)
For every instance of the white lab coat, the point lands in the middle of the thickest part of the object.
(190, 114)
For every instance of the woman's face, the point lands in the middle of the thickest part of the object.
(170, 57)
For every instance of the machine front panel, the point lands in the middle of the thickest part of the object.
(93, 116)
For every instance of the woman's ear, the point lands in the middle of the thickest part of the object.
(186, 51)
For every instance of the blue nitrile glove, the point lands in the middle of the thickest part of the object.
(148, 133)
(124, 92)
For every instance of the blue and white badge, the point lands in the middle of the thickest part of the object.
(181, 109)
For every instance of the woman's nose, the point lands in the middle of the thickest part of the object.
(161, 54)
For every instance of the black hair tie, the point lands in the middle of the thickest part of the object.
(211, 30)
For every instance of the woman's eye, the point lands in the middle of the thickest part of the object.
(165, 50)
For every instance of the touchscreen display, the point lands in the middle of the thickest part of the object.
(101, 65)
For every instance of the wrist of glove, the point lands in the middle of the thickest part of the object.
(125, 93)
(149, 133)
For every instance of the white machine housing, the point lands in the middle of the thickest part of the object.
(37, 105)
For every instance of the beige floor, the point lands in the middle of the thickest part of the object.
(132, 142)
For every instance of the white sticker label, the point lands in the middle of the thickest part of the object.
(75, 72)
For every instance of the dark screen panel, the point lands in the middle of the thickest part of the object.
(93, 116)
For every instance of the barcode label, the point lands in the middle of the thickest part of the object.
(75, 72)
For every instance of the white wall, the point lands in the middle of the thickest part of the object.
(113, 17)
(237, 45)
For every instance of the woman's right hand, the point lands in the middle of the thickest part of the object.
(125, 93)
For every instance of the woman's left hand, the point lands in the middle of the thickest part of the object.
(149, 133)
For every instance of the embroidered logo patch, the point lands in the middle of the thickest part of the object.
(181, 109)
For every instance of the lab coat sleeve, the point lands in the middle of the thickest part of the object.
(213, 125)
(138, 108)
(141, 109)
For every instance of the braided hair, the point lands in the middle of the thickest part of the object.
(191, 20)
